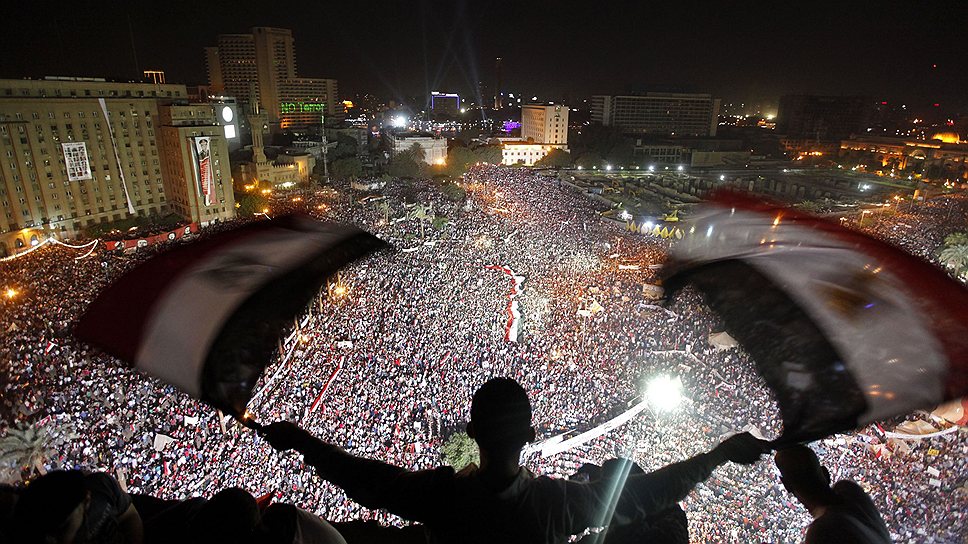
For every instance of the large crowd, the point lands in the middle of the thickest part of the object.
(385, 361)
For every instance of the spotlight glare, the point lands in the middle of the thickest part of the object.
(664, 393)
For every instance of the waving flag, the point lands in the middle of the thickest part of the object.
(206, 317)
(845, 329)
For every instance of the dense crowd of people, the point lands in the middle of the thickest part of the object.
(385, 362)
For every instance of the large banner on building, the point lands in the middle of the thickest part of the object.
(75, 158)
(201, 145)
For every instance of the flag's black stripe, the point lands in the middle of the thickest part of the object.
(249, 337)
(813, 386)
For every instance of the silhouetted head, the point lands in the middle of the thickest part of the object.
(801, 472)
(501, 417)
(229, 516)
(51, 508)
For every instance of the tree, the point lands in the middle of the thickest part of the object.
(440, 221)
(956, 239)
(453, 192)
(460, 450)
(956, 258)
(417, 152)
(459, 159)
(346, 168)
(607, 142)
(422, 214)
(589, 160)
(490, 154)
(346, 146)
(556, 158)
(403, 165)
(26, 449)
(250, 203)
(384, 206)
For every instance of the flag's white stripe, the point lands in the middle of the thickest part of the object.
(197, 304)
(889, 349)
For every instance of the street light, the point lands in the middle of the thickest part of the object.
(10, 293)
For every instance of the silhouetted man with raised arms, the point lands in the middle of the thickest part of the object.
(500, 501)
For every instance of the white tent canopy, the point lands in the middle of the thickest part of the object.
(722, 340)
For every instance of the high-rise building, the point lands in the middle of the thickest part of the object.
(195, 162)
(264, 62)
(823, 118)
(668, 114)
(444, 103)
(545, 124)
(306, 101)
(544, 127)
(75, 152)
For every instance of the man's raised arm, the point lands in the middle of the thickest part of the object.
(644, 494)
(373, 484)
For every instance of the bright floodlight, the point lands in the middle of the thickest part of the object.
(664, 393)
(398, 121)
(679, 168)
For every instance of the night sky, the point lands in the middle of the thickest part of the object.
(741, 51)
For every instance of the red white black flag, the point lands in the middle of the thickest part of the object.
(845, 329)
(206, 317)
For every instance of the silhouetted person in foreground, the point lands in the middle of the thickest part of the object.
(68, 506)
(669, 526)
(500, 501)
(842, 514)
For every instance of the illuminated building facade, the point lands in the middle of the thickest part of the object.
(525, 153)
(545, 124)
(434, 148)
(263, 64)
(75, 152)
(934, 159)
(195, 162)
(668, 114)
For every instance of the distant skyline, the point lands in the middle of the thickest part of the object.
(740, 51)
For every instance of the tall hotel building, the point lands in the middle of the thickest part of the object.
(263, 64)
(665, 114)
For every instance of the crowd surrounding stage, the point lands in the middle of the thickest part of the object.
(385, 361)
